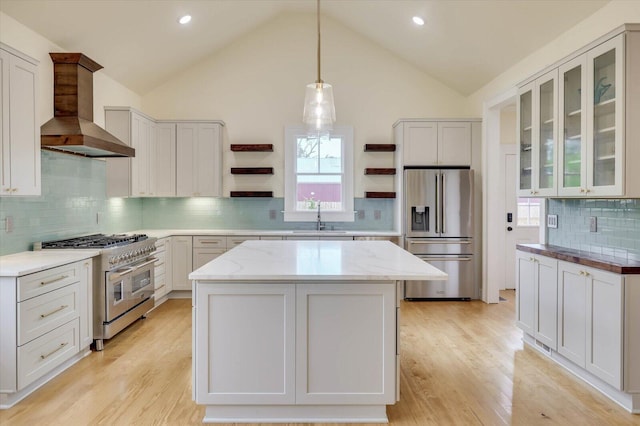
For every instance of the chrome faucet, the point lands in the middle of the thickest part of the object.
(319, 224)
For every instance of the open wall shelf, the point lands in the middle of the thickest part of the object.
(263, 194)
(380, 147)
(261, 147)
(380, 171)
(252, 170)
(379, 194)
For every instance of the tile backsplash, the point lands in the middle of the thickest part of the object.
(618, 226)
(254, 213)
(74, 202)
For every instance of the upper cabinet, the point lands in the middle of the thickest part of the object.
(134, 177)
(19, 127)
(436, 143)
(593, 86)
(595, 138)
(158, 170)
(199, 159)
(537, 118)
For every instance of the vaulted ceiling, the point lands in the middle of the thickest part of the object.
(464, 43)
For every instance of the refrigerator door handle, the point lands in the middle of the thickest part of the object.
(444, 204)
(437, 205)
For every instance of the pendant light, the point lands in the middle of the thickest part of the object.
(319, 112)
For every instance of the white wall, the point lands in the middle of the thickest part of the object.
(612, 15)
(256, 86)
(106, 91)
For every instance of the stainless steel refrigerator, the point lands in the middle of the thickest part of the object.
(438, 228)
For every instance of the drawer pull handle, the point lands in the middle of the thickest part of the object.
(158, 288)
(62, 345)
(54, 280)
(209, 242)
(54, 311)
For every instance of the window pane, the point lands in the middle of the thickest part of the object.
(307, 155)
(326, 189)
(330, 155)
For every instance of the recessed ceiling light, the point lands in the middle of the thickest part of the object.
(185, 19)
(418, 20)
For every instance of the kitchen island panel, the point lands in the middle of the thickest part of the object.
(249, 331)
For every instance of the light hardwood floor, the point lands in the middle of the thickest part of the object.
(462, 363)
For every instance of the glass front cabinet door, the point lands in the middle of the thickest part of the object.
(591, 102)
(537, 134)
(525, 140)
(605, 103)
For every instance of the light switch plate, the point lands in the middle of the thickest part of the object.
(552, 221)
(593, 224)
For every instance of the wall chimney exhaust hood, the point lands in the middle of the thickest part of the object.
(72, 129)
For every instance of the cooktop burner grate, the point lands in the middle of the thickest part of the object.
(95, 241)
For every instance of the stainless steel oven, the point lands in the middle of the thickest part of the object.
(123, 280)
(126, 287)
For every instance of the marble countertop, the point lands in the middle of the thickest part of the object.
(317, 260)
(598, 261)
(161, 233)
(28, 262)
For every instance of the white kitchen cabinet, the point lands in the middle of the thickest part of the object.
(345, 343)
(199, 159)
(436, 143)
(19, 125)
(252, 361)
(537, 134)
(537, 297)
(46, 323)
(163, 160)
(597, 130)
(162, 270)
(181, 262)
(151, 173)
(591, 315)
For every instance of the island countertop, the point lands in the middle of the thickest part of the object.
(317, 260)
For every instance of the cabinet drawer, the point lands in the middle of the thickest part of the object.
(160, 265)
(42, 282)
(160, 288)
(161, 244)
(234, 241)
(41, 314)
(209, 242)
(43, 354)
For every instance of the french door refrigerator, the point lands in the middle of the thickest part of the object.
(438, 228)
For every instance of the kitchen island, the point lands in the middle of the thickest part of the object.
(300, 331)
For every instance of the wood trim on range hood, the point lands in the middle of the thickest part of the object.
(72, 129)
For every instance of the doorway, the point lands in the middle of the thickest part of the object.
(499, 197)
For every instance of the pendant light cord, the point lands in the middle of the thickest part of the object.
(318, 18)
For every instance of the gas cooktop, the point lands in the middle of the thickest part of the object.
(95, 241)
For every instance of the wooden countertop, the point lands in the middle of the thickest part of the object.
(598, 261)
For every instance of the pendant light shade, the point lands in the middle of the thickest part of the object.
(319, 112)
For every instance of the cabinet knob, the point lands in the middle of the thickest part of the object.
(587, 190)
(14, 189)
(582, 190)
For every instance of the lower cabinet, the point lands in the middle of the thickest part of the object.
(537, 297)
(45, 320)
(286, 343)
(162, 271)
(580, 312)
(181, 262)
(591, 318)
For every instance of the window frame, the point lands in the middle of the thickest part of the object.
(290, 212)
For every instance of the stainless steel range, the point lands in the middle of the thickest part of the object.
(122, 279)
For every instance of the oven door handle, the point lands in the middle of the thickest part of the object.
(119, 274)
(145, 263)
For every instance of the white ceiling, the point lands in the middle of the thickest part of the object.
(464, 43)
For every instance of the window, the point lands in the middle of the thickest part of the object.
(528, 212)
(319, 171)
